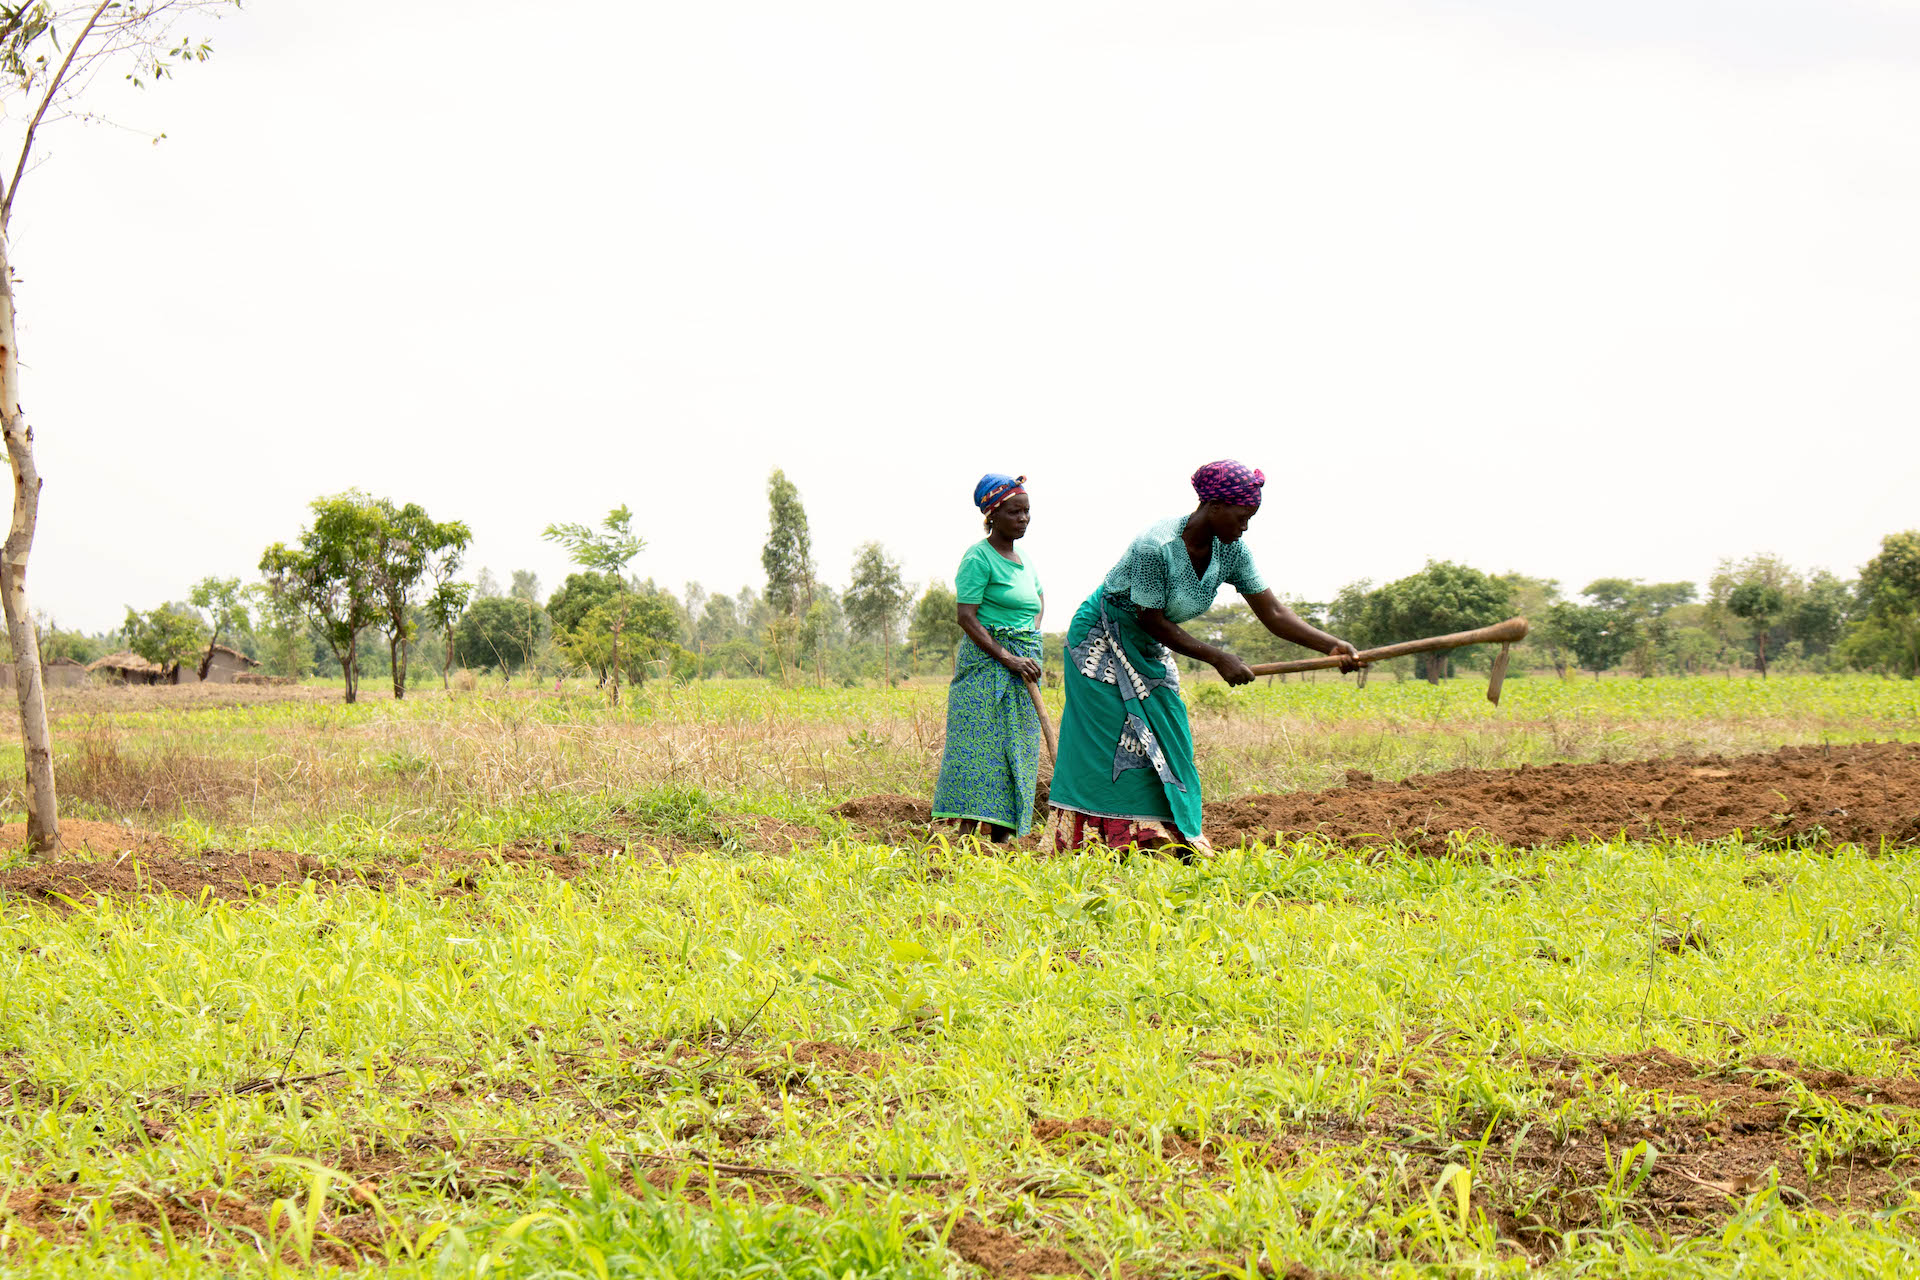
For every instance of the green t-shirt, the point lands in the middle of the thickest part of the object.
(1008, 594)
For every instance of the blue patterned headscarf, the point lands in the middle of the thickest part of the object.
(995, 489)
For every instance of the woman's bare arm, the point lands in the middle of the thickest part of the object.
(1288, 625)
(1231, 669)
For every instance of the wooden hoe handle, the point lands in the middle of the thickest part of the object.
(1499, 633)
(1046, 725)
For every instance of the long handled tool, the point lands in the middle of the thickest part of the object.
(1046, 725)
(1505, 634)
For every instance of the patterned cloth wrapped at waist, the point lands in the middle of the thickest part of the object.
(1126, 749)
(991, 763)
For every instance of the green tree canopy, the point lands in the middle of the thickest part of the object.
(1758, 603)
(876, 599)
(1888, 636)
(287, 639)
(1441, 598)
(719, 623)
(413, 553)
(225, 601)
(1597, 635)
(787, 556)
(498, 634)
(1819, 617)
(649, 629)
(168, 635)
(605, 551)
(579, 595)
(334, 574)
(935, 626)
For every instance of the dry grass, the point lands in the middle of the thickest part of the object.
(165, 783)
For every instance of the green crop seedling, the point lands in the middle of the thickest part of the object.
(536, 986)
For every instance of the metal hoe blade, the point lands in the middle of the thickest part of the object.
(1499, 674)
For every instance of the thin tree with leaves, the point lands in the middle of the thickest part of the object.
(334, 575)
(876, 598)
(410, 542)
(49, 54)
(445, 603)
(787, 558)
(225, 602)
(607, 550)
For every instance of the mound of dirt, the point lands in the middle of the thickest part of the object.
(884, 811)
(1813, 795)
(132, 863)
(887, 813)
(223, 875)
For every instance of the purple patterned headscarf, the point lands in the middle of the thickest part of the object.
(1230, 482)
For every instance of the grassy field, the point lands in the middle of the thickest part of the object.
(664, 1014)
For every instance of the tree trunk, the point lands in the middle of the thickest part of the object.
(446, 681)
(206, 660)
(616, 657)
(1762, 638)
(1436, 663)
(43, 803)
(886, 647)
(397, 658)
(350, 670)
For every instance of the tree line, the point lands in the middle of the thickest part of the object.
(373, 587)
(1757, 614)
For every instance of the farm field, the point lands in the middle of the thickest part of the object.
(513, 984)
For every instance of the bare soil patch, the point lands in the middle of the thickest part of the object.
(218, 1219)
(227, 876)
(1001, 1253)
(1802, 795)
(768, 835)
(1074, 1131)
(885, 812)
(101, 839)
(788, 1063)
(1735, 1133)
(130, 863)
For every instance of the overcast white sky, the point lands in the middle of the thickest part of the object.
(1571, 288)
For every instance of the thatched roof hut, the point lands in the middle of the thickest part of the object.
(226, 665)
(128, 668)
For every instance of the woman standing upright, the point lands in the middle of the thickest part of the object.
(992, 759)
(1125, 771)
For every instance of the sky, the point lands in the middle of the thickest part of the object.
(1572, 289)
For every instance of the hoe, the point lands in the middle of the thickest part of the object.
(1505, 634)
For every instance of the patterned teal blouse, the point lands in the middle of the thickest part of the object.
(1157, 573)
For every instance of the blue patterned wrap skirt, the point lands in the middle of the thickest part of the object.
(991, 764)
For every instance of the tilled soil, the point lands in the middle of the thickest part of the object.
(1802, 795)
(1797, 795)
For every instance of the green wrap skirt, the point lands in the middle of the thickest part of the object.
(991, 764)
(1126, 751)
